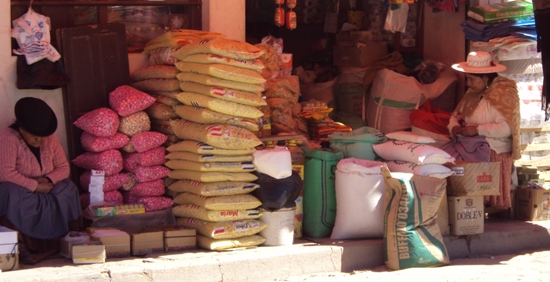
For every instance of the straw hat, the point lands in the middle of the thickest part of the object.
(35, 116)
(479, 62)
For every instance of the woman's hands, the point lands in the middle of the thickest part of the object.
(468, 130)
(44, 185)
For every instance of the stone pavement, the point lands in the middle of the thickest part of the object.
(305, 257)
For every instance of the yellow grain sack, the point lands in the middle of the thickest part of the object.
(218, 105)
(166, 100)
(161, 111)
(162, 126)
(231, 95)
(214, 176)
(225, 167)
(202, 148)
(182, 34)
(198, 212)
(225, 229)
(218, 135)
(210, 189)
(214, 81)
(159, 71)
(222, 71)
(224, 244)
(234, 49)
(157, 84)
(171, 94)
(253, 64)
(188, 156)
(219, 203)
(206, 116)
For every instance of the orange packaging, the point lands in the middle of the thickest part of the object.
(279, 2)
(279, 16)
(291, 4)
(291, 21)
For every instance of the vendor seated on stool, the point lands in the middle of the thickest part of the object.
(36, 197)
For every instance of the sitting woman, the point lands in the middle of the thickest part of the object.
(488, 111)
(36, 197)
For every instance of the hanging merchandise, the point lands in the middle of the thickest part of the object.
(291, 20)
(396, 19)
(32, 33)
(279, 13)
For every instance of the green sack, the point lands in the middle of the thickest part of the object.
(357, 143)
(319, 192)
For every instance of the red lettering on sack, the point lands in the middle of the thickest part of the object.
(484, 178)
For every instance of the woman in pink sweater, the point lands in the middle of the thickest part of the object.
(36, 196)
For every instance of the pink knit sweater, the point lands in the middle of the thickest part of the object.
(18, 164)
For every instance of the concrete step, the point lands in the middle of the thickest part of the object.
(305, 256)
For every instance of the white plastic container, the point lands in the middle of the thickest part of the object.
(280, 227)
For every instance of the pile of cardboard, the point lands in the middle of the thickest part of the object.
(532, 197)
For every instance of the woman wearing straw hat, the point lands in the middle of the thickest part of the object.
(490, 110)
(36, 196)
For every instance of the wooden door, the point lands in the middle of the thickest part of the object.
(96, 60)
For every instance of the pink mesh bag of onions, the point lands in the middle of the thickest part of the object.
(147, 140)
(112, 182)
(126, 100)
(114, 197)
(101, 122)
(149, 188)
(155, 156)
(92, 143)
(109, 161)
(155, 203)
(149, 173)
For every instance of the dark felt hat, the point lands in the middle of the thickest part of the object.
(35, 116)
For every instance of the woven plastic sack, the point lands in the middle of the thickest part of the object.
(112, 182)
(134, 124)
(210, 189)
(222, 71)
(357, 143)
(166, 100)
(161, 111)
(206, 116)
(412, 237)
(155, 203)
(218, 135)
(202, 148)
(219, 105)
(228, 94)
(214, 176)
(218, 203)
(149, 173)
(150, 157)
(154, 72)
(109, 161)
(433, 170)
(252, 64)
(147, 140)
(208, 158)
(230, 48)
(211, 166)
(412, 152)
(149, 188)
(224, 244)
(126, 100)
(92, 143)
(214, 81)
(101, 122)
(198, 212)
(157, 84)
(225, 229)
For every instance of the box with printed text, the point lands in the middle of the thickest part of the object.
(474, 179)
(532, 204)
(466, 215)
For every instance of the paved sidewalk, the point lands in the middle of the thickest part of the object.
(269, 263)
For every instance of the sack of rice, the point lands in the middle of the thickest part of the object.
(166, 100)
(252, 64)
(212, 176)
(198, 212)
(218, 135)
(224, 244)
(134, 124)
(154, 72)
(224, 229)
(211, 166)
(162, 126)
(232, 95)
(206, 116)
(214, 81)
(205, 149)
(219, 203)
(210, 189)
(222, 71)
(230, 48)
(219, 105)
(178, 38)
(157, 84)
(412, 237)
(188, 156)
(161, 111)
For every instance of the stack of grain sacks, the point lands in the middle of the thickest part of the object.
(213, 167)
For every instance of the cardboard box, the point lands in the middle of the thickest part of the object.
(474, 179)
(147, 243)
(466, 215)
(118, 210)
(9, 251)
(116, 246)
(532, 204)
(176, 238)
(88, 253)
(351, 56)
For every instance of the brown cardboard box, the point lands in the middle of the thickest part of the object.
(351, 56)
(532, 204)
(176, 238)
(443, 216)
(466, 215)
(147, 243)
(116, 246)
(82, 254)
(66, 247)
(9, 251)
(474, 179)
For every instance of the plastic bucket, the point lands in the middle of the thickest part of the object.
(280, 227)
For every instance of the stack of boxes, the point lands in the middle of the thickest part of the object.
(532, 197)
(9, 253)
